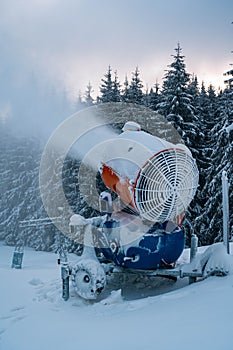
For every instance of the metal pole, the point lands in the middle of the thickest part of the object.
(225, 209)
(65, 270)
(194, 245)
(65, 275)
(193, 253)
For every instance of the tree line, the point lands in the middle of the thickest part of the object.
(202, 116)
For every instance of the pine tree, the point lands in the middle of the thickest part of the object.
(210, 220)
(146, 98)
(135, 88)
(116, 94)
(193, 90)
(208, 110)
(20, 195)
(153, 97)
(229, 80)
(106, 87)
(125, 92)
(177, 103)
(79, 104)
(88, 99)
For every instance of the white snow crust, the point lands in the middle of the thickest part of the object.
(34, 316)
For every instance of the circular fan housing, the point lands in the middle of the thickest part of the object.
(165, 185)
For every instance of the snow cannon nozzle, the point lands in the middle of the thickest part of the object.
(156, 178)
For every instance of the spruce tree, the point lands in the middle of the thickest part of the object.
(116, 93)
(88, 99)
(106, 87)
(208, 110)
(125, 92)
(153, 97)
(79, 104)
(221, 135)
(135, 88)
(20, 194)
(177, 102)
(193, 90)
(146, 98)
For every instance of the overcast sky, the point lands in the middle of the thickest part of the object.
(72, 42)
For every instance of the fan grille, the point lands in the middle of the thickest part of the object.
(166, 185)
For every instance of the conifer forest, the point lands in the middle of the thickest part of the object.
(202, 115)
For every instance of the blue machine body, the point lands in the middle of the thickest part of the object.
(157, 248)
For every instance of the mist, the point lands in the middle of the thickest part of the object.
(83, 136)
(51, 49)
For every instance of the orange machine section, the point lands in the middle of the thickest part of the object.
(179, 219)
(120, 186)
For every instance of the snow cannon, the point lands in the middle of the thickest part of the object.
(156, 181)
(154, 177)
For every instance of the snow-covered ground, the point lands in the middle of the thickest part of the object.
(34, 316)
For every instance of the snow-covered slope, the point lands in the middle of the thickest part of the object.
(34, 316)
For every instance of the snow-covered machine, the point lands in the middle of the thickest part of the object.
(140, 230)
(156, 178)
